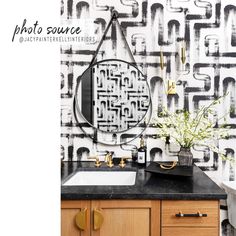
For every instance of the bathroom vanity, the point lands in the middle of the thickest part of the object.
(154, 205)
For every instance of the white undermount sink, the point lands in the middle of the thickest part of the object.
(108, 178)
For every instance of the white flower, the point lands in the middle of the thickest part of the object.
(198, 128)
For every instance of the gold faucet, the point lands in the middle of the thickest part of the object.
(108, 159)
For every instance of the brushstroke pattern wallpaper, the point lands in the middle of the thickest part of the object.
(208, 31)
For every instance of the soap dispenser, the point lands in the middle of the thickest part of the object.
(142, 152)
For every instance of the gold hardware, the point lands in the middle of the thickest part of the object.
(97, 162)
(108, 160)
(122, 161)
(171, 87)
(81, 219)
(110, 163)
(199, 213)
(161, 60)
(97, 219)
(183, 56)
(167, 166)
(107, 157)
(180, 214)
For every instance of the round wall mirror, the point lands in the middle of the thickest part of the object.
(112, 95)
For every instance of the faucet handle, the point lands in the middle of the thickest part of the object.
(108, 156)
(110, 163)
(97, 161)
(108, 159)
(122, 161)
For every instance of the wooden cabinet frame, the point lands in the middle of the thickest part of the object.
(146, 205)
(68, 211)
(151, 208)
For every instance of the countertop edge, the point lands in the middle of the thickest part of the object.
(160, 196)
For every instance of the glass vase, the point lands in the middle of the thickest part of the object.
(185, 157)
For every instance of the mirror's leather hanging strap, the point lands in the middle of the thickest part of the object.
(113, 18)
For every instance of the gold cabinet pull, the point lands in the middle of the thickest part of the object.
(161, 60)
(97, 219)
(81, 219)
(183, 56)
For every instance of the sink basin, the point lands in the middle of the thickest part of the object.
(108, 178)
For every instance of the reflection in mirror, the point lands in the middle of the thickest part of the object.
(112, 96)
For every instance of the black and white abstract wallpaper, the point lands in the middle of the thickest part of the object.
(208, 31)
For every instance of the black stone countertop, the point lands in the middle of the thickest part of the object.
(147, 185)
